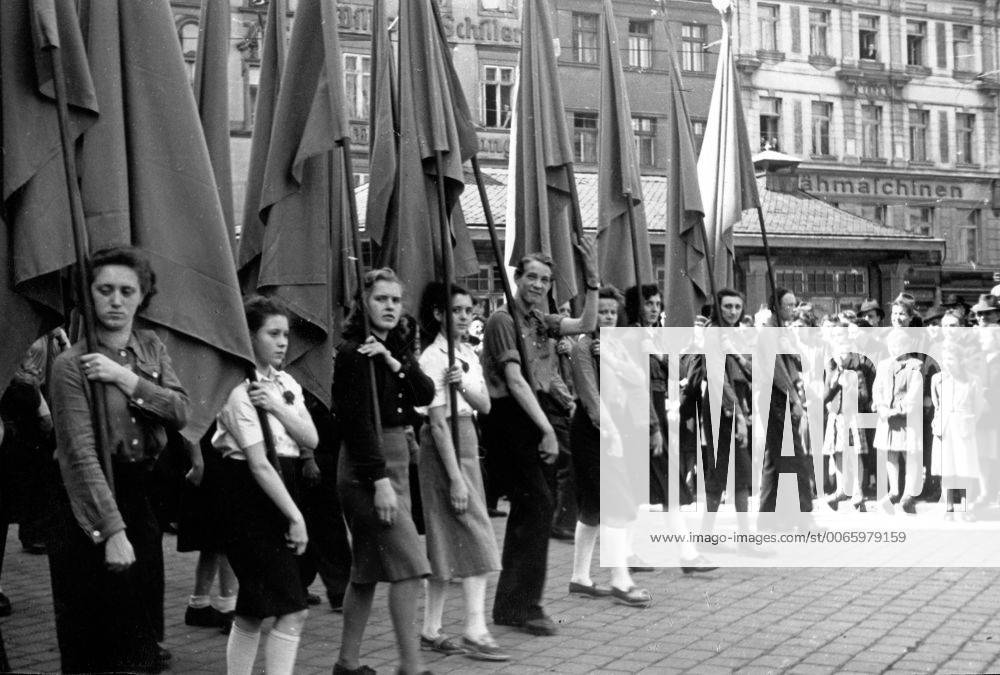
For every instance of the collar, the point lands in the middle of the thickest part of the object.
(132, 344)
(441, 344)
(272, 375)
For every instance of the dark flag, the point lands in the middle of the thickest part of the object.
(686, 287)
(618, 181)
(434, 117)
(145, 177)
(272, 63)
(211, 92)
(302, 194)
(543, 214)
(383, 144)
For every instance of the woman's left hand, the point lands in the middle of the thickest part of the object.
(372, 347)
(453, 375)
(265, 398)
(99, 368)
(459, 495)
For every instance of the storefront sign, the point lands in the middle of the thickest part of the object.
(880, 186)
(358, 19)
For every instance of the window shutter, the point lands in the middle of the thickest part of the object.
(796, 30)
(942, 45)
(943, 136)
(797, 126)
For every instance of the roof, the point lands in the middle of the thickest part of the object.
(794, 219)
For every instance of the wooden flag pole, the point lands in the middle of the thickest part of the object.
(635, 245)
(501, 264)
(448, 272)
(81, 248)
(352, 211)
(770, 266)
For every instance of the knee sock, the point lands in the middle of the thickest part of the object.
(437, 591)
(474, 589)
(279, 653)
(583, 552)
(199, 601)
(241, 651)
(224, 603)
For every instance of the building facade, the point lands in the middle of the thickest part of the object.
(892, 105)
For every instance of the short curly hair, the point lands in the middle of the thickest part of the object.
(130, 257)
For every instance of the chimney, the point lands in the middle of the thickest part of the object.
(781, 171)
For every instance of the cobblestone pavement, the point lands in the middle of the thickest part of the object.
(808, 621)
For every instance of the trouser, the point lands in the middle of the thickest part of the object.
(561, 483)
(109, 621)
(513, 435)
(774, 463)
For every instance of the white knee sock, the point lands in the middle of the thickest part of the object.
(241, 651)
(279, 653)
(224, 603)
(198, 601)
(437, 591)
(583, 552)
(474, 590)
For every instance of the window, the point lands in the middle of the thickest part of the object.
(357, 84)
(871, 131)
(497, 5)
(767, 19)
(481, 282)
(919, 120)
(868, 37)
(585, 37)
(585, 137)
(693, 39)
(819, 24)
(498, 87)
(968, 238)
(640, 43)
(874, 212)
(770, 123)
(920, 220)
(962, 47)
(187, 33)
(793, 280)
(698, 129)
(645, 139)
(822, 112)
(916, 33)
(251, 83)
(965, 138)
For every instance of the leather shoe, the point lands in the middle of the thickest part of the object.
(563, 534)
(163, 658)
(908, 505)
(633, 597)
(699, 564)
(203, 617)
(360, 670)
(591, 591)
(496, 513)
(312, 599)
(539, 625)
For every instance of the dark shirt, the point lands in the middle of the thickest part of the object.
(137, 424)
(398, 393)
(539, 331)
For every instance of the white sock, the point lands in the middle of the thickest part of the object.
(241, 651)
(199, 601)
(279, 653)
(614, 545)
(621, 579)
(224, 603)
(583, 552)
(437, 591)
(474, 590)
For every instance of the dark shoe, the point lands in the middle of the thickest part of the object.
(591, 591)
(484, 649)
(496, 513)
(834, 500)
(5, 606)
(441, 644)
(563, 534)
(539, 625)
(699, 564)
(312, 599)
(909, 505)
(203, 617)
(37, 548)
(859, 507)
(360, 670)
(227, 622)
(336, 601)
(633, 597)
(163, 658)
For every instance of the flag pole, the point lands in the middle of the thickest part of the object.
(767, 259)
(501, 264)
(447, 265)
(710, 261)
(352, 211)
(635, 243)
(81, 247)
(574, 199)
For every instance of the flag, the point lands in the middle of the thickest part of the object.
(618, 181)
(145, 180)
(725, 170)
(434, 117)
(211, 92)
(543, 213)
(686, 287)
(272, 63)
(383, 143)
(302, 194)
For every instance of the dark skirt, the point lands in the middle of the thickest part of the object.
(198, 526)
(458, 546)
(588, 464)
(255, 529)
(381, 552)
(108, 621)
